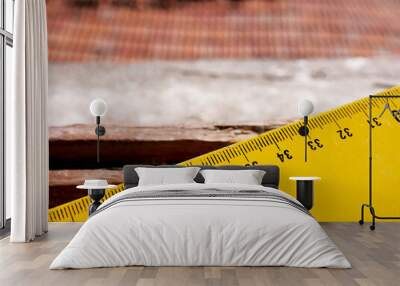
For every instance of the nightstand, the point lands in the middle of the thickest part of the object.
(96, 191)
(305, 190)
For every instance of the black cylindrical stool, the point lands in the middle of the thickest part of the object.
(305, 190)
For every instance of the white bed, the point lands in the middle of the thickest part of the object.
(206, 230)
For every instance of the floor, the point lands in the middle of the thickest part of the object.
(375, 257)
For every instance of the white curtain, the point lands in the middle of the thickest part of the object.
(26, 123)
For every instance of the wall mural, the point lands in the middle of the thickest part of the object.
(184, 78)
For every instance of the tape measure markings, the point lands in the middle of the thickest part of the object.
(280, 135)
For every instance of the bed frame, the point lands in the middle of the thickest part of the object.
(271, 177)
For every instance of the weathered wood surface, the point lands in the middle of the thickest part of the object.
(375, 257)
(215, 133)
(73, 151)
(76, 177)
(74, 147)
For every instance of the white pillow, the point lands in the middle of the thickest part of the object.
(162, 176)
(248, 177)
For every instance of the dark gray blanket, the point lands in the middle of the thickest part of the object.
(206, 194)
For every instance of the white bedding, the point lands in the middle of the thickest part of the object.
(200, 231)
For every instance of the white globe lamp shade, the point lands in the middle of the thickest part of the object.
(305, 107)
(98, 107)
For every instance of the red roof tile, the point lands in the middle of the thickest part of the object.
(280, 29)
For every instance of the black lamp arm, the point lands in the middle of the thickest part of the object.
(305, 137)
(303, 131)
(100, 131)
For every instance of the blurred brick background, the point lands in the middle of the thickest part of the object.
(128, 31)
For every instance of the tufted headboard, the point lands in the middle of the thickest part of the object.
(271, 177)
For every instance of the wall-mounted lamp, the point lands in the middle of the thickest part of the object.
(98, 108)
(305, 108)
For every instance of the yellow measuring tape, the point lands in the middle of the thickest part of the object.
(337, 152)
